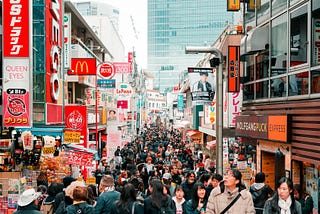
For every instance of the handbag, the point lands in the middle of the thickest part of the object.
(231, 204)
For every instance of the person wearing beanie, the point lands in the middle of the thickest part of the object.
(28, 202)
(107, 196)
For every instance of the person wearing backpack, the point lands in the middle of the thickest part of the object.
(158, 202)
(260, 192)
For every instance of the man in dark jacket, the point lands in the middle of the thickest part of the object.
(28, 202)
(108, 195)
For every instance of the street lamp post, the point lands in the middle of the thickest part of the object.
(219, 99)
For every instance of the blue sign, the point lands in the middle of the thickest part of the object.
(107, 83)
(180, 102)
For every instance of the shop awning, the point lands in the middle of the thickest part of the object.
(192, 132)
(80, 148)
(255, 40)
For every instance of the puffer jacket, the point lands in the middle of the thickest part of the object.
(83, 208)
(218, 201)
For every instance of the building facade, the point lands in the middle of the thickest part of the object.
(172, 25)
(281, 90)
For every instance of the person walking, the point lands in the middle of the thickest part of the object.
(188, 184)
(283, 202)
(127, 204)
(80, 204)
(107, 195)
(260, 192)
(231, 196)
(28, 202)
(305, 199)
(198, 202)
(157, 201)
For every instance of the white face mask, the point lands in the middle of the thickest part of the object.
(145, 150)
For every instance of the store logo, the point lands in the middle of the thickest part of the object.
(83, 66)
(75, 120)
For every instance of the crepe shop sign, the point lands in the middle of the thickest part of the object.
(80, 159)
(124, 89)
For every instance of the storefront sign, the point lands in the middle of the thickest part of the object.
(262, 127)
(106, 70)
(76, 121)
(122, 67)
(316, 29)
(233, 5)
(233, 68)
(54, 44)
(83, 66)
(67, 39)
(72, 136)
(107, 83)
(124, 90)
(16, 64)
(80, 159)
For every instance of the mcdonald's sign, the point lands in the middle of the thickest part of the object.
(82, 66)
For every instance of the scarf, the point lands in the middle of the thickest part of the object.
(285, 205)
(109, 189)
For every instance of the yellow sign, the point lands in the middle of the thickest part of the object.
(91, 181)
(48, 150)
(253, 4)
(233, 5)
(72, 136)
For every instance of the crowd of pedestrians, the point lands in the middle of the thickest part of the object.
(158, 173)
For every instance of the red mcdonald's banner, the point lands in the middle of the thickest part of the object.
(83, 66)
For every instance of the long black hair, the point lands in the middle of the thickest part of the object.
(274, 200)
(157, 197)
(128, 195)
(195, 198)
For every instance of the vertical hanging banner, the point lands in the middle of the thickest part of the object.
(16, 63)
(233, 5)
(233, 68)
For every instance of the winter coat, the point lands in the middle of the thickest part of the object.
(148, 208)
(189, 209)
(269, 209)
(306, 204)
(138, 208)
(218, 201)
(187, 188)
(84, 207)
(29, 209)
(260, 194)
(105, 201)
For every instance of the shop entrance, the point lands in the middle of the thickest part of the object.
(273, 166)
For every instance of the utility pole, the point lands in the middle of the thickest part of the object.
(219, 99)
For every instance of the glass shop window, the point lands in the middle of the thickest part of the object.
(279, 45)
(315, 81)
(299, 36)
(315, 29)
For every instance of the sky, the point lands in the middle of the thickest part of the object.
(137, 9)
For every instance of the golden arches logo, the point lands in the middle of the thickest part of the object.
(81, 65)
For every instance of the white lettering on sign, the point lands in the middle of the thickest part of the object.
(16, 27)
(54, 53)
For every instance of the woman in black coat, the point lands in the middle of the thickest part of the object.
(127, 204)
(158, 202)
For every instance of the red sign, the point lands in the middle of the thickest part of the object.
(106, 70)
(83, 66)
(53, 44)
(130, 59)
(233, 68)
(80, 159)
(76, 120)
(16, 28)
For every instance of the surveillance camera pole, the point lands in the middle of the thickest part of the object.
(219, 100)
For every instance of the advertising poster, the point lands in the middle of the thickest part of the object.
(202, 85)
